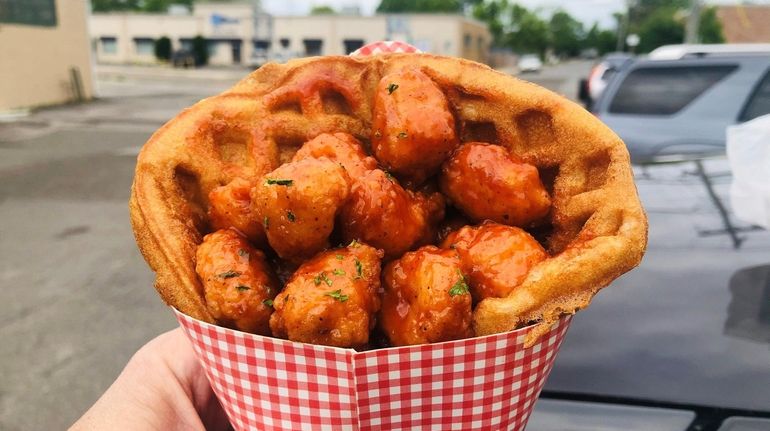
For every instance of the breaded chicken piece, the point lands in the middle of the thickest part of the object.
(487, 182)
(230, 207)
(332, 299)
(237, 281)
(297, 204)
(342, 148)
(381, 213)
(413, 128)
(495, 257)
(426, 298)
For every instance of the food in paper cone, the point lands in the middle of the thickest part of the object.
(392, 200)
(409, 198)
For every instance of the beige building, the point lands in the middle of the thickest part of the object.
(45, 53)
(237, 34)
(745, 23)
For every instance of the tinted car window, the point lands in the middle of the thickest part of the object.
(759, 103)
(608, 74)
(665, 90)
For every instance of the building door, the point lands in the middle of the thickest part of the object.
(236, 47)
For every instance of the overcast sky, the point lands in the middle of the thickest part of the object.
(587, 11)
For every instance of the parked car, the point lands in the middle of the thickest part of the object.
(530, 63)
(183, 58)
(668, 110)
(601, 74)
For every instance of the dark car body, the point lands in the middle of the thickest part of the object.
(183, 58)
(667, 110)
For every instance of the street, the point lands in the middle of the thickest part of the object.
(78, 297)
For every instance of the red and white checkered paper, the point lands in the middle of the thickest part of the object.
(384, 47)
(264, 383)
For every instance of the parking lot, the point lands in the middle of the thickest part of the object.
(78, 298)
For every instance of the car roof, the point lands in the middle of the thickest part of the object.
(674, 52)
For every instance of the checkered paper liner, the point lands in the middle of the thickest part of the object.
(384, 47)
(265, 383)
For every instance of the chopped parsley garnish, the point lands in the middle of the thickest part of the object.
(338, 271)
(354, 244)
(359, 269)
(460, 287)
(268, 302)
(266, 222)
(392, 87)
(339, 256)
(322, 278)
(290, 215)
(337, 294)
(402, 135)
(242, 287)
(243, 253)
(278, 182)
(229, 274)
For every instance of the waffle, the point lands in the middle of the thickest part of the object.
(596, 230)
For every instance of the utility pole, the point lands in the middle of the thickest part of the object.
(623, 28)
(693, 22)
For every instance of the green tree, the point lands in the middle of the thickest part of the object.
(400, 6)
(642, 10)
(136, 5)
(566, 34)
(490, 13)
(710, 29)
(603, 41)
(660, 28)
(163, 48)
(200, 50)
(114, 5)
(529, 33)
(322, 10)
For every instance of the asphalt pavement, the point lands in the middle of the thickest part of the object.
(78, 298)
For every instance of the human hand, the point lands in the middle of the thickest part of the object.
(162, 387)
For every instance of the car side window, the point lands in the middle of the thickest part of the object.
(665, 90)
(759, 102)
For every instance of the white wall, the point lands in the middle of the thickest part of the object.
(440, 34)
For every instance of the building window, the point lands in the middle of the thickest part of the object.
(185, 44)
(284, 42)
(467, 41)
(144, 45)
(261, 44)
(109, 45)
(313, 47)
(352, 45)
(480, 43)
(30, 12)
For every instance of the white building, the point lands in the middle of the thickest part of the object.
(237, 33)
